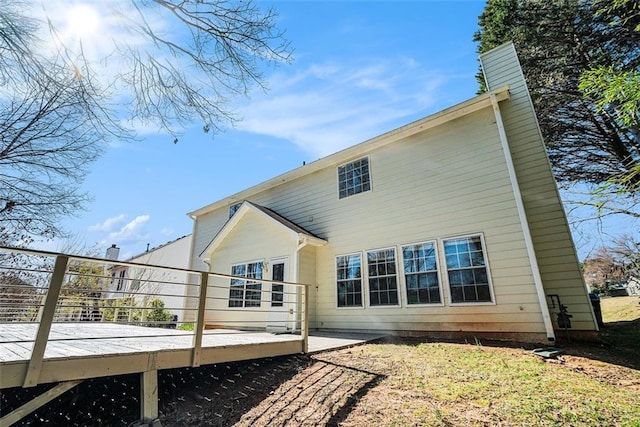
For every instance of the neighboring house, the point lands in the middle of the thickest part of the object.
(144, 284)
(451, 225)
(633, 286)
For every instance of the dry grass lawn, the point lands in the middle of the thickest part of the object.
(402, 382)
(620, 309)
(447, 384)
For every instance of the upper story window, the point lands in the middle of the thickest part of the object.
(467, 270)
(354, 178)
(233, 208)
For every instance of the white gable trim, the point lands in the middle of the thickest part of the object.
(296, 236)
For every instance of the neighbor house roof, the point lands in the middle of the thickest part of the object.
(467, 107)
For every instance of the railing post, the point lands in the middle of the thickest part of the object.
(305, 320)
(199, 326)
(45, 318)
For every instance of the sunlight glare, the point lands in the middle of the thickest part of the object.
(83, 20)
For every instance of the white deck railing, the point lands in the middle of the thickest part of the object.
(47, 288)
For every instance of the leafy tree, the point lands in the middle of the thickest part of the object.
(81, 297)
(617, 88)
(158, 315)
(590, 139)
(60, 102)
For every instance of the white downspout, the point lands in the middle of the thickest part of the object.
(537, 279)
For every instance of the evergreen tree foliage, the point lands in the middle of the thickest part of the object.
(581, 61)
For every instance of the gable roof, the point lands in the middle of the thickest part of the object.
(292, 228)
(467, 107)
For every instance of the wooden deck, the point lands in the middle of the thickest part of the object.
(87, 350)
(67, 353)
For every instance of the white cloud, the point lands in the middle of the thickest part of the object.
(327, 107)
(167, 232)
(132, 232)
(108, 224)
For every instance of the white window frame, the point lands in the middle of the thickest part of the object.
(346, 196)
(362, 278)
(445, 273)
(368, 277)
(244, 299)
(436, 248)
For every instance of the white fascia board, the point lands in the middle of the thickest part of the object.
(467, 107)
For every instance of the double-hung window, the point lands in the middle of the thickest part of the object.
(349, 280)
(246, 292)
(467, 270)
(354, 178)
(421, 273)
(383, 280)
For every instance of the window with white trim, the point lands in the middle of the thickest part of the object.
(383, 280)
(467, 270)
(354, 178)
(421, 273)
(246, 292)
(349, 280)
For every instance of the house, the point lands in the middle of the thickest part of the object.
(633, 286)
(448, 226)
(143, 284)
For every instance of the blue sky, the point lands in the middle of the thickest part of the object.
(360, 68)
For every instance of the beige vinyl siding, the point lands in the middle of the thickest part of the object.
(446, 182)
(205, 229)
(253, 239)
(449, 181)
(560, 270)
(464, 189)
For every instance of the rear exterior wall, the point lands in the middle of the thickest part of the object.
(446, 182)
